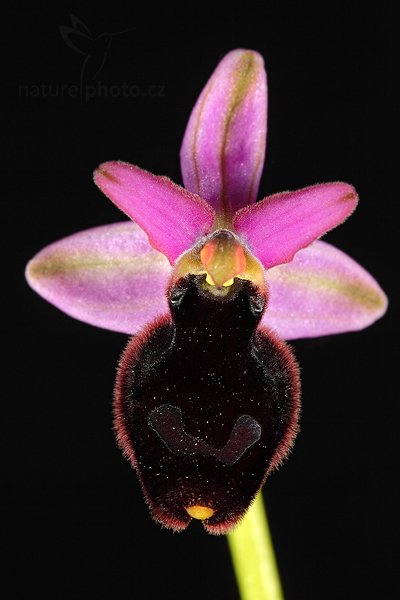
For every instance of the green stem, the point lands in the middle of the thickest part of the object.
(253, 556)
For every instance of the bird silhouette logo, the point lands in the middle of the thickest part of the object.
(94, 49)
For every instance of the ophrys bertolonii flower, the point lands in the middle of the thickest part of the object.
(210, 282)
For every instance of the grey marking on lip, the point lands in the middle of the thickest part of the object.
(167, 422)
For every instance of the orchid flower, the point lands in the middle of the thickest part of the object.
(210, 282)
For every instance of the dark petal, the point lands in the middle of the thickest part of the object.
(206, 405)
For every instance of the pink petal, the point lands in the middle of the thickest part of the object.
(322, 291)
(107, 276)
(280, 225)
(223, 150)
(172, 217)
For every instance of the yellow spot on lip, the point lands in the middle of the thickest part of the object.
(199, 512)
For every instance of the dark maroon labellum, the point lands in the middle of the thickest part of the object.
(206, 405)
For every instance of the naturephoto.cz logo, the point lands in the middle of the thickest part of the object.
(94, 52)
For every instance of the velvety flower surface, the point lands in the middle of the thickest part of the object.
(204, 274)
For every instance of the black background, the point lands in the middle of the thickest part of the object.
(78, 525)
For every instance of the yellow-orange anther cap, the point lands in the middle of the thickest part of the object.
(223, 258)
